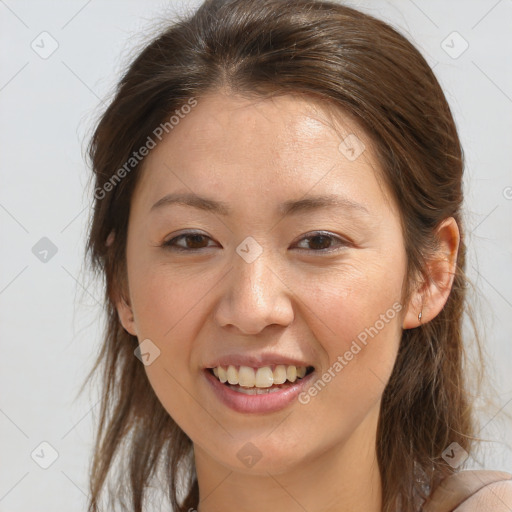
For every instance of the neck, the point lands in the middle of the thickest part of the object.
(340, 478)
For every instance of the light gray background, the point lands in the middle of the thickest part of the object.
(50, 319)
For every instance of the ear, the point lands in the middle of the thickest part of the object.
(431, 296)
(125, 313)
(124, 310)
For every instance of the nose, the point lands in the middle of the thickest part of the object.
(254, 296)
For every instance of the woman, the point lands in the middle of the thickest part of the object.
(278, 193)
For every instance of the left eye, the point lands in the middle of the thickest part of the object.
(320, 242)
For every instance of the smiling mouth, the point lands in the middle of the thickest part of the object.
(256, 381)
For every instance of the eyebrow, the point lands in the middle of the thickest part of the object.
(290, 207)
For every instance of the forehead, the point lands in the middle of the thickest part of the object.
(282, 124)
(278, 148)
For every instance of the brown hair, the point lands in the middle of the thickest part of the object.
(359, 65)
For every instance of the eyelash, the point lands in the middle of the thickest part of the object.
(342, 243)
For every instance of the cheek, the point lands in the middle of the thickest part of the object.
(355, 315)
(165, 298)
(167, 309)
(351, 297)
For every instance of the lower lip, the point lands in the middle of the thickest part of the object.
(268, 402)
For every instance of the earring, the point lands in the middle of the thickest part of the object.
(420, 314)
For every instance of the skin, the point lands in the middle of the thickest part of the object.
(293, 299)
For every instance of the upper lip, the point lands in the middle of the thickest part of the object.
(255, 361)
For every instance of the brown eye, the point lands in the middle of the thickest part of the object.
(323, 242)
(193, 242)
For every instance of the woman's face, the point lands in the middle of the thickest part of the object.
(255, 285)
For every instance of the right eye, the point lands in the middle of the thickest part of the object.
(193, 242)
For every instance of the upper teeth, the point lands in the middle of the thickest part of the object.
(263, 377)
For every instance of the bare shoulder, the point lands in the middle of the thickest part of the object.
(472, 491)
(493, 497)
